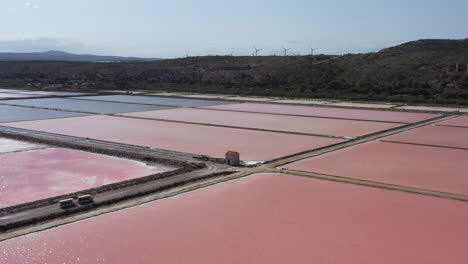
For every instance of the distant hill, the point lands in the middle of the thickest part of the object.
(423, 71)
(65, 56)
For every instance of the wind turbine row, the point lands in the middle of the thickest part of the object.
(257, 51)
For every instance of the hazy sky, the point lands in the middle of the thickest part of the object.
(172, 28)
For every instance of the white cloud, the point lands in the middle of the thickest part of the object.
(31, 5)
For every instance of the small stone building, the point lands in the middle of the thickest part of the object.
(233, 158)
(455, 68)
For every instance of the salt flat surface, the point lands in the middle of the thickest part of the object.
(84, 105)
(443, 136)
(263, 218)
(434, 108)
(330, 112)
(124, 91)
(10, 145)
(298, 124)
(248, 98)
(13, 95)
(190, 95)
(209, 96)
(156, 100)
(461, 121)
(3, 90)
(298, 101)
(51, 93)
(429, 168)
(38, 174)
(167, 94)
(15, 113)
(362, 105)
(196, 139)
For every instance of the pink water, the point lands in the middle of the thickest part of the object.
(443, 136)
(198, 139)
(265, 218)
(459, 121)
(388, 116)
(300, 124)
(430, 168)
(32, 175)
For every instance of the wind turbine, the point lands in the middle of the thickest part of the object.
(286, 51)
(312, 51)
(256, 51)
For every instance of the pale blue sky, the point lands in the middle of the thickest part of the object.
(172, 28)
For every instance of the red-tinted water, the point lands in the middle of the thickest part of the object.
(198, 139)
(31, 175)
(267, 218)
(430, 168)
(459, 122)
(388, 116)
(310, 125)
(456, 137)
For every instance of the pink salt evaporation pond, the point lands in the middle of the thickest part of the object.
(330, 112)
(38, 174)
(442, 136)
(456, 122)
(197, 139)
(423, 167)
(10, 145)
(263, 218)
(297, 124)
